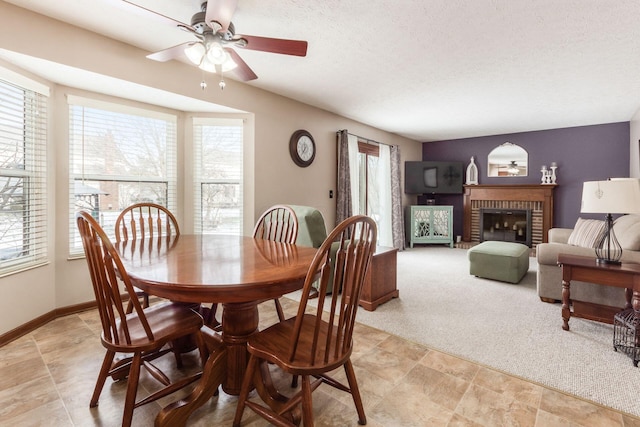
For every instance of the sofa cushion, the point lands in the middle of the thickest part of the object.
(627, 229)
(585, 233)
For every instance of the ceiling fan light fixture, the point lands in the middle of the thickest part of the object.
(215, 53)
(207, 65)
(195, 52)
(512, 169)
(228, 64)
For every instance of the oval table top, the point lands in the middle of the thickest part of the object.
(215, 268)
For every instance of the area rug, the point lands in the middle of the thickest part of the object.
(504, 326)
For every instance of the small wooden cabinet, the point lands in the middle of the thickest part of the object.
(430, 224)
(380, 283)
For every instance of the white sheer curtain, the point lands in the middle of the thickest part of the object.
(385, 235)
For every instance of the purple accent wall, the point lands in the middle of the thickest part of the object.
(584, 153)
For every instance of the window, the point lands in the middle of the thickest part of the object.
(23, 203)
(374, 187)
(368, 158)
(118, 156)
(218, 153)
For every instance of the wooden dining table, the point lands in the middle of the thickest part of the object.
(235, 271)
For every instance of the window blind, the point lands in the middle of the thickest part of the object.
(23, 202)
(118, 156)
(218, 171)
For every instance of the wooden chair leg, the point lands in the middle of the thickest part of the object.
(102, 377)
(244, 390)
(129, 309)
(307, 404)
(145, 300)
(132, 390)
(279, 309)
(355, 392)
(176, 353)
(209, 316)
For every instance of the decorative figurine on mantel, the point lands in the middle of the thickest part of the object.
(549, 175)
(472, 173)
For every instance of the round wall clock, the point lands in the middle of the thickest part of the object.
(302, 148)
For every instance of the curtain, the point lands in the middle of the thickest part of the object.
(385, 236)
(397, 222)
(348, 193)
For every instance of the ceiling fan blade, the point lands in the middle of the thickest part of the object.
(175, 52)
(143, 11)
(242, 71)
(220, 11)
(282, 46)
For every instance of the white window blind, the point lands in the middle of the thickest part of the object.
(118, 156)
(218, 170)
(23, 202)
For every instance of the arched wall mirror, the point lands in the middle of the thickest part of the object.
(507, 160)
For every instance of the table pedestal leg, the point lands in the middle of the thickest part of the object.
(213, 373)
(239, 321)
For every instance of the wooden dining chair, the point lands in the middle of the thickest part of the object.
(141, 221)
(142, 335)
(278, 223)
(318, 339)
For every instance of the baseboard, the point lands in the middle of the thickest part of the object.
(42, 320)
(39, 321)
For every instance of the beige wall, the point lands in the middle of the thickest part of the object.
(270, 121)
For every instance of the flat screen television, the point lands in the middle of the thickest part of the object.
(433, 177)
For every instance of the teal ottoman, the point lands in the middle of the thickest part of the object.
(504, 261)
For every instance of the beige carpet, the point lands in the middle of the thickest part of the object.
(504, 326)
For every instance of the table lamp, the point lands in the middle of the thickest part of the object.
(616, 195)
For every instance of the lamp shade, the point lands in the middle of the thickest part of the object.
(618, 195)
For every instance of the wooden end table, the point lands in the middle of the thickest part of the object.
(380, 283)
(586, 269)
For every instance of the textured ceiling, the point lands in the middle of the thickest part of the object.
(424, 69)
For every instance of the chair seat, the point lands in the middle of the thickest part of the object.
(168, 321)
(273, 344)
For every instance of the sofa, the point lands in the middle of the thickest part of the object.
(580, 241)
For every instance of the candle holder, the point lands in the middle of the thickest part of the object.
(553, 168)
(546, 175)
(549, 174)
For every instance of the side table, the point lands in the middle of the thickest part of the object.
(586, 269)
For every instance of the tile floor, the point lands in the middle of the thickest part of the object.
(47, 377)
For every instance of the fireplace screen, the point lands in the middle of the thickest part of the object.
(507, 225)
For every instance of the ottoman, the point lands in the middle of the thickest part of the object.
(504, 261)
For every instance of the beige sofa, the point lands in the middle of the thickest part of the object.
(549, 278)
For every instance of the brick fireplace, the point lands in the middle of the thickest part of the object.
(536, 198)
(507, 225)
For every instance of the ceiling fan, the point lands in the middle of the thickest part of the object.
(214, 51)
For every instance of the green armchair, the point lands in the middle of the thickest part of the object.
(311, 227)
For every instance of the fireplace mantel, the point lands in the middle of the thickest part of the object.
(540, 194)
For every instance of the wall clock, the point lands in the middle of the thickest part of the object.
(302, 148)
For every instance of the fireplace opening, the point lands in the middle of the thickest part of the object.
(507, 225)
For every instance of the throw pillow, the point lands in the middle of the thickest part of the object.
(585, 233)
(627, 229)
